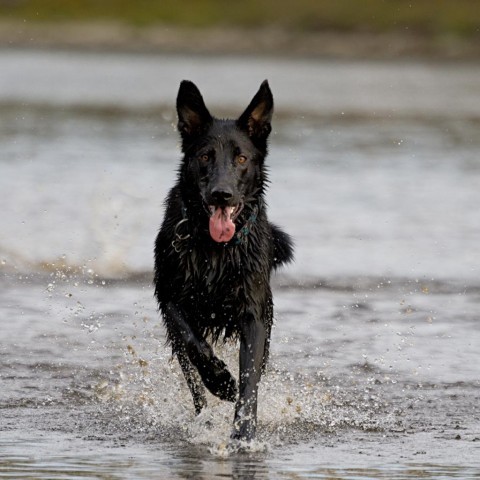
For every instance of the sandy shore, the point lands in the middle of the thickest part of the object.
(274, 41)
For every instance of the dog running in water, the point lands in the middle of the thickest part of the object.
(216, 250)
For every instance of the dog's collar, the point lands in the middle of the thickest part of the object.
(179, 237)
(240, 236)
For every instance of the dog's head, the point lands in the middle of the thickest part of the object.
(224, 158)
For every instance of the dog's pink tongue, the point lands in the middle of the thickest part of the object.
(221, 226)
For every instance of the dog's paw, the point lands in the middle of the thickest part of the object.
(239, 444)
(229, 389)
(219, 380)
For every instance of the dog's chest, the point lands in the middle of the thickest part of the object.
(222, 279)
(212, 272)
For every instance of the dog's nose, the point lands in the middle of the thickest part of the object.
(222, 195)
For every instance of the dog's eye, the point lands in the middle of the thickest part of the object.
(242, 159)
(204, 158)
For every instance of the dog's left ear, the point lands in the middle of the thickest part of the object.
(255, 120)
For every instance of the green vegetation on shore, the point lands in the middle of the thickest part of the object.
(428, 17)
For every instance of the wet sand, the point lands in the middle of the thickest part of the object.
(98, 36)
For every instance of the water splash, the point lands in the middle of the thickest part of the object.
(149, 397)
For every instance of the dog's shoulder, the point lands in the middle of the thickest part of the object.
(282, 246)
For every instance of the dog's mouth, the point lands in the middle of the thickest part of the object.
(222, 221)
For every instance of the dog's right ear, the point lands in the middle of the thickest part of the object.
(193, 116)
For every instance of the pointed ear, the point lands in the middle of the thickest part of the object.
(255, 120)
(193, 116)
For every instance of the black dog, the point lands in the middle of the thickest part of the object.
(216, 250)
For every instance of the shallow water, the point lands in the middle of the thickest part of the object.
(375, 367)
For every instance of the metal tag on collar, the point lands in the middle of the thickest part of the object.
(179, 238)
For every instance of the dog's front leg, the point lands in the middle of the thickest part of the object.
(189, 343)
(193, 381)
(252, 351)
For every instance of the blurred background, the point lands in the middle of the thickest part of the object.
(375, 136)
(380, 28)
(375, 171)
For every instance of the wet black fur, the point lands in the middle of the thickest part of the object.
(216, 290)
